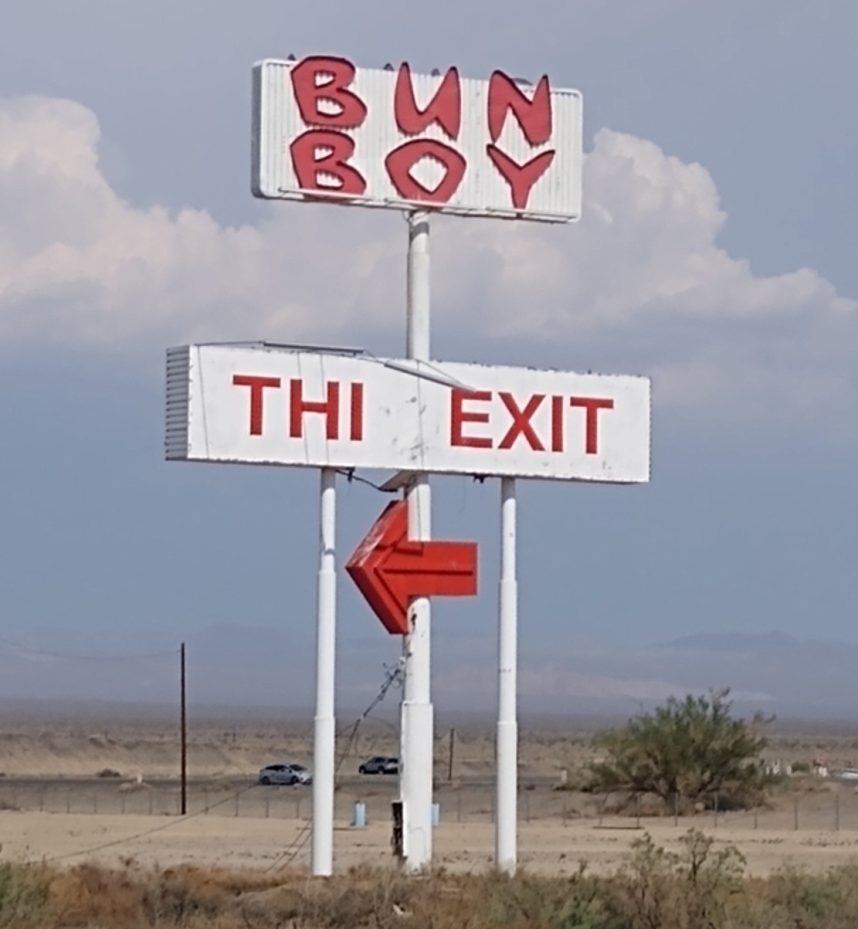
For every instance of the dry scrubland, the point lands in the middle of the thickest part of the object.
(49, 769)
(38, 748)
(697, 887)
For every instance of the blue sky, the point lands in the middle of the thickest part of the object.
(716, 254)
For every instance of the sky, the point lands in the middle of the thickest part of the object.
(716, 254)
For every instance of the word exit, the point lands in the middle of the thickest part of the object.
(474, 417)
(279, 406)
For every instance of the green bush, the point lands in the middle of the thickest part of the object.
(24, 896)
(686, 752)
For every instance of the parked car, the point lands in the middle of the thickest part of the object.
(285, 774)
(380, 764)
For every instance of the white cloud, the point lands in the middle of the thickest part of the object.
(646, 246)
(80, 263)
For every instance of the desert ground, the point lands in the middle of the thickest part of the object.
(108, 791)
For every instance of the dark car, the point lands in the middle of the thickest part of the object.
(380, 764)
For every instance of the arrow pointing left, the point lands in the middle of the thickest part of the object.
(389, 569)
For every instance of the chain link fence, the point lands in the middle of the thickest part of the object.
(830, 808)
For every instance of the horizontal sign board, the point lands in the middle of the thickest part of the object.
(325, 129)
(267, 405)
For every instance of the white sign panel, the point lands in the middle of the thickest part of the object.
(325, 129)
(267, 405)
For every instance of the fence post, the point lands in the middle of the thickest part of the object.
(526, 806)
(236, 804)
(565, 812)
(458, 807)
(267, 806)
(715, 812)
(68, 801)
(42, 799)
(637, 811)
(837, 812)
(122, 803)
(676, 808)
(756, 821)
(795, 814)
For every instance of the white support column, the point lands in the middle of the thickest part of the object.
(417, 715)
(506, 818)
(324, 723)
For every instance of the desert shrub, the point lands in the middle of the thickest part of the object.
(691, 749)
(24, 896)
(793, 898)
(108, 773)
(699, 886)
(528, 902)
(692, 889)
(88, 895)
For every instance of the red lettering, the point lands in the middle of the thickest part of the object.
(592, 406)
(319, 158)
(557, 424)
(533, 115)
(459, 416)
(318, 79)
(445, 107)
(329, 408)
(521, 421)
(520, 178)
(356, 432)
(256, 385)
(401, 160)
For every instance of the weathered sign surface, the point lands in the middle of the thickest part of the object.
(268, 405)
(325, 129)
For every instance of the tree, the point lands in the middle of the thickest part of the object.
(688, 750)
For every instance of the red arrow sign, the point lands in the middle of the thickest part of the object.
(389, 569)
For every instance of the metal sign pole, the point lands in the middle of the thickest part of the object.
(417, 715)
(324, 724)
(507, 732)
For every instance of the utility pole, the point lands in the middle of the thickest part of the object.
(416, 732)
(324, 723)
(184, 721)
(450, 760)
(506, 823)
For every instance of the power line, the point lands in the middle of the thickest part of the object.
(392, 675)
(147, 832)
(349, 474)
(70, 656)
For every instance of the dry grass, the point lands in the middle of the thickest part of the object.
(701, 887)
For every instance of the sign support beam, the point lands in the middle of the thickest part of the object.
(324, 722)
(417, 713)
(506, 820)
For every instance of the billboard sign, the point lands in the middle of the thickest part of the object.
(324, 129)
(268, 405)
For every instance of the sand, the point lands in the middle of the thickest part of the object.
(545, 848)
(52, 807)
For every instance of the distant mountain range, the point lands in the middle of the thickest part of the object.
(232, 668)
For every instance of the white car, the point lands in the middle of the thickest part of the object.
(285, 774)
